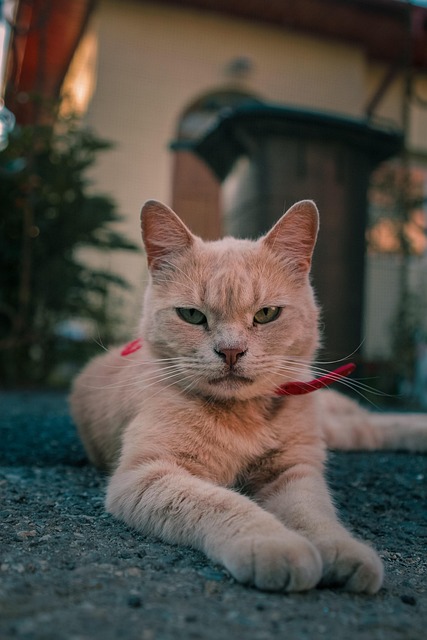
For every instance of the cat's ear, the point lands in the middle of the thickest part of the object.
(294, 235)
(163, 233)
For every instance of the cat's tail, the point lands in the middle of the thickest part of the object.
(348, 426)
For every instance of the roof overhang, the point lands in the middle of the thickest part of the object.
(236, 131)
(388, 30)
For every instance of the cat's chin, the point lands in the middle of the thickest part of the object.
(230, 387)
(230, 380)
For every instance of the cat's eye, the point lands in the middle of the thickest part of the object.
(192, 316)
(267, 314)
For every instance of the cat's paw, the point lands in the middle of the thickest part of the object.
(288, 563)
(351, 565)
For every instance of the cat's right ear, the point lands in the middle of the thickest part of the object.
(294, 235)
(163, 233)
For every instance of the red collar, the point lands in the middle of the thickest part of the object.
(299, 388)
(131, 347)
(287, 389)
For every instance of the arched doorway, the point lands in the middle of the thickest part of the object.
(196, 191)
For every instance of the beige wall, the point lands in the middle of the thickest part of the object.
(153, 61)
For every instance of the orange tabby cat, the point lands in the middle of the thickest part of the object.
(201, 450)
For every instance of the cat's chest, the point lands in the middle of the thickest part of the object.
(229, 444)
(234, 446)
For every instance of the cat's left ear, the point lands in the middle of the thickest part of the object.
(294, 235)
(163, 233)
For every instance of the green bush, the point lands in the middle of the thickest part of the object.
(48, 213)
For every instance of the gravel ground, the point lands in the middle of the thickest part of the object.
(70, 571)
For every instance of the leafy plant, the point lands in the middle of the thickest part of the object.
(48, 213)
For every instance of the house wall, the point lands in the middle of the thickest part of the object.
(153, 61)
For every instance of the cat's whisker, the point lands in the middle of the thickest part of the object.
(320, 371)
(184, 359)
(353, 384)
(159, 374)
(181, 284)
(140, 363)
(100, 344)
(290, 364)
(191, 385)
(174, 266)
(140, 385)
(168, 280)
(163, 388)
(99, 341)
(291, 367)
(188, 290)
(162, 372)
(360, 387)
(101, 387)
(314, 362)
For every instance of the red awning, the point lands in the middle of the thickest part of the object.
(42, 45)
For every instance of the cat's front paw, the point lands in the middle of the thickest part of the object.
(288, 563)
(350, 564)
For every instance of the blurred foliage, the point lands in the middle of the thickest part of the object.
(48, 213)
(398, 220)
(399, 227)
(407, 333)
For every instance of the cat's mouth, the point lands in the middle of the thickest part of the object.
(232, 378)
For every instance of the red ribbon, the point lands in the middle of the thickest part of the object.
(287, 389)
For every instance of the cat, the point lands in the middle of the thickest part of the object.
(200, 449)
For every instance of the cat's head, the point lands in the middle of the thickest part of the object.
(231, 318)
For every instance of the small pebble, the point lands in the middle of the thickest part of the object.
(134, 601)
(211, 574)
(190, 618)
(408, 600)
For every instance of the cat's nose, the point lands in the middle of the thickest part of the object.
(230, 356)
